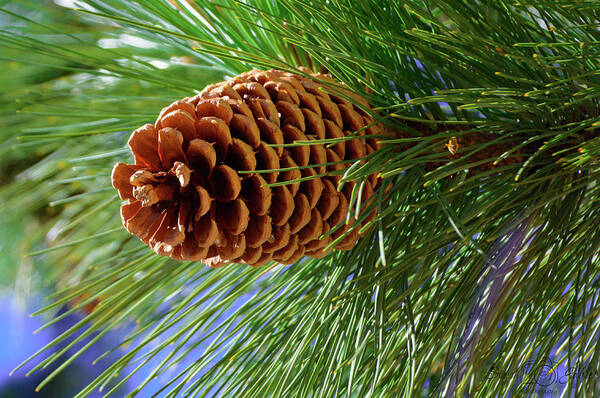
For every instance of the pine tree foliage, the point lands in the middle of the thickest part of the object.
(480, 267)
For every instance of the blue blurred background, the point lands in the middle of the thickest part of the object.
(18, 341)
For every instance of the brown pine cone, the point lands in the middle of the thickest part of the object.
(186, 198)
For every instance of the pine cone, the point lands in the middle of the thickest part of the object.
(187, 199)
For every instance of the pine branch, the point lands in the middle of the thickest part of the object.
(482, 264)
